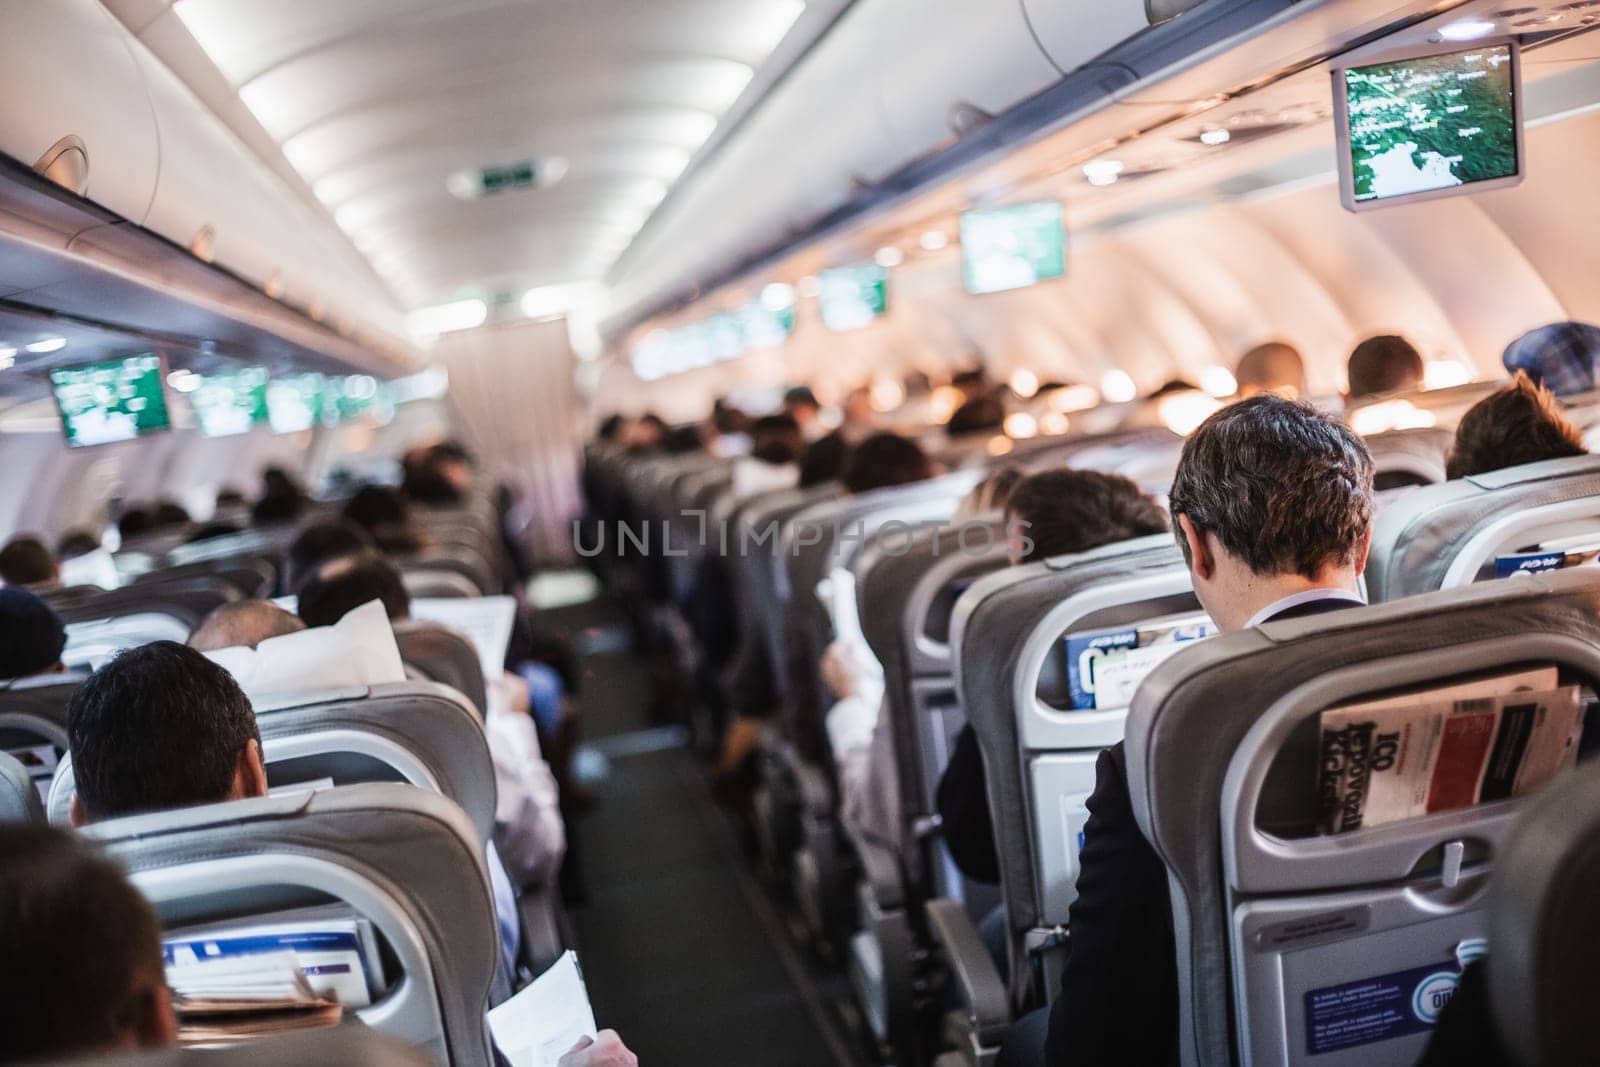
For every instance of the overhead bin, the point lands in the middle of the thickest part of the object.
(66, 71)
(1073, 32)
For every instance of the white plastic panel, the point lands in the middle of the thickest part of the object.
(65, 68)
(1072, 32)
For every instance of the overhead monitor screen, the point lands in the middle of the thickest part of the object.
(851, 297)
(295, 403)
(360, 396)
(1010, 247)
(228, 404)
(1428, 126)
(113, 401)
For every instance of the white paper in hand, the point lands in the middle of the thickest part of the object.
(485, 620)
(539, 1025)
(358, 650)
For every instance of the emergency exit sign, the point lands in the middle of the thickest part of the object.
(522, 175)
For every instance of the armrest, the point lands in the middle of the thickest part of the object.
(979, 982)
(543, 939)
(881, 868)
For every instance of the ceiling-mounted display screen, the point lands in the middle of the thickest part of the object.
(1424, 125)
(117, 400)
(295, 403)
(359, 396)
(1010, 247)
(231, 403)
(851, 297)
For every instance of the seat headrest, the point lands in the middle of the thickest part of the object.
(19, 800)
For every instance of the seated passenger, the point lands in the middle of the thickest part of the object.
(1561, 356)
(321, 543)
(529, 830)
(773, 459)
(84, 972)
(385, 515)
(243, 624)
(32, 637)
(823, 460)
(26, 561)
(884, 460)
(1520, 423)
(1383, 364)
(1054, 513)
(77, 543)
(1272, 506)
(1274, 367)
(135, 522)
(800, 404)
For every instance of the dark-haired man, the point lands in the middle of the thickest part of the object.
(1387, 363)
(1519, 423)
(32, 637)
(320, 543)
(341, 586)
(1272, 507)
(83, 969)
(26, 561)
(243, 624)
(884, 460)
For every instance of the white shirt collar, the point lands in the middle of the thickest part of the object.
(1294, 600)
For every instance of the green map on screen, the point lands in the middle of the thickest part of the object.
(113, 401)
(232, 403)
(851, 297)
(1010, 247)
(1418, 125)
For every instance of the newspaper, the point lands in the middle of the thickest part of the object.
(487, 621)
(226, 999)
(358, 650)
(542, 1023)
(331, 955)
(1446, 748)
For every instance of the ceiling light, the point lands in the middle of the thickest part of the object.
(446, 318)
(47, 345)
(183, 381)
(1219, 381)
(888, 256)
(999, 445)
(777, 297)
(1054, 423)
(1024, 383)
(1117, 387)
(1467, 30)
(886, 395)
(1391, 415)
(1074, 398)
(1444, 373)
(1215, 137)
(548, 301)
(934, 240)
(1182, 413)
(1019, 426)
(1102, 171)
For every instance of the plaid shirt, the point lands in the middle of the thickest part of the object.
(1562, 356)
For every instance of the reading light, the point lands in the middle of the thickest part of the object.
(1117, 387)
(934, 240)
(1102, 171)
(1024, 382)
(999, 445)
(1467, 30)
(47, 345)
(886, 395)
(1444, 373)
(1054, 423)
(889, 256)
(1074, 398)
(777, 296)
(1019, 426)
(1215, 137)
(942, 403)
(1182, 413)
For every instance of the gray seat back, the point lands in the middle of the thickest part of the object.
(1441, 536)
(19, 798)
(187, 599)
(1413, 455)
(1008, 632)
(445, 656)
(900, 589)
(420, 733)
(815, 541)
(33, 711)
(349, 1045)
(1276, 927)
(1543, 927)
(91, 642)
(426, 583)
(404, 858)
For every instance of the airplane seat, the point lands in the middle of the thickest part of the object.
(430, 583)
(445, 656)
(1442, 536)
(460, 560)
(1295, 947)
(92, 641)
(187, 599)
(420, 733)
(407, 860)
(351, 1043)
(1542, 927)
(1039, 759)
(898, 588)
(253, 574)
(19, 797)
(33, 711)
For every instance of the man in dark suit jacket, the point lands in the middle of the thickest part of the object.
(1272, 506)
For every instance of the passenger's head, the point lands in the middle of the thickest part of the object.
(983, 413)
(276, 481)
(319, 543)
(682, 440)
(776, 439)
(438, 474)
(610, 428)
(276, 510)
(135, 522)
(1271, 495)
(823, 460)
(1517, 424)
(644, 433)
(990, 494)
(339, 587)
(158, 727)
(243, 624)
(26, 561)
(170, 513)
(375, 506)
(1384, 364)
(726, 418)
(77, 543)
(31, 636)
(800, 404)
(885, 459)
(1561, 356)
(1274, 367)
(84, 972)
(1062, 512)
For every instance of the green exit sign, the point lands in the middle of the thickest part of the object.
(523, 175)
